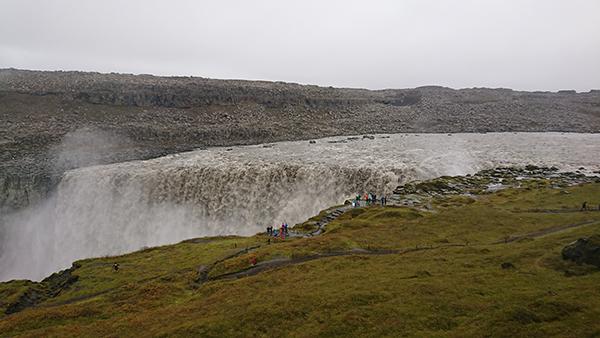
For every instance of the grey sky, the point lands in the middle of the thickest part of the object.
(521, 44)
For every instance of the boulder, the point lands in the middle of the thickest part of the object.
(507, 265)
(584, 250)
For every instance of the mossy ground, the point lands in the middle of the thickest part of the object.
(437, 290)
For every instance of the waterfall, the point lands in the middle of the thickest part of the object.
(118, 208)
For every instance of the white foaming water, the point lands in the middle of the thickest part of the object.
(112, 209)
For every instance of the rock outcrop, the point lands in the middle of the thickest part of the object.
(49, 287)
(584, 250)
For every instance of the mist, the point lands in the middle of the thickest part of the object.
(85, 147)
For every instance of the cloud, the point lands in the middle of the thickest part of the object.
(530, 44)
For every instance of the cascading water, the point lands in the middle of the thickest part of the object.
(112, 209)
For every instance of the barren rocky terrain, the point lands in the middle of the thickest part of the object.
(54, 121)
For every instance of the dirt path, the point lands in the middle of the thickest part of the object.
(558, 211)
(282, 262)
(326, 219)
(544, 232)
(203, 271)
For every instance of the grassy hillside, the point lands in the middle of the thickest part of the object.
(376, 271)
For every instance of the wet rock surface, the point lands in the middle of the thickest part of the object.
(420, 194)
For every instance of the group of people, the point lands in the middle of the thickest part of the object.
(281, 232)
(369, 199)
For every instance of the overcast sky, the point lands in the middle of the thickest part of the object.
(520, 44)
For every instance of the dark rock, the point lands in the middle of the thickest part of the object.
(583, 250)
(574, 273)
(531, 167)
(423, 273)
(49, 287)
(507, 265)
(312, 141)
(202, 275)
(200, 240)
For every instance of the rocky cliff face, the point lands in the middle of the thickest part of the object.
(188, 92)
(151, 116)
